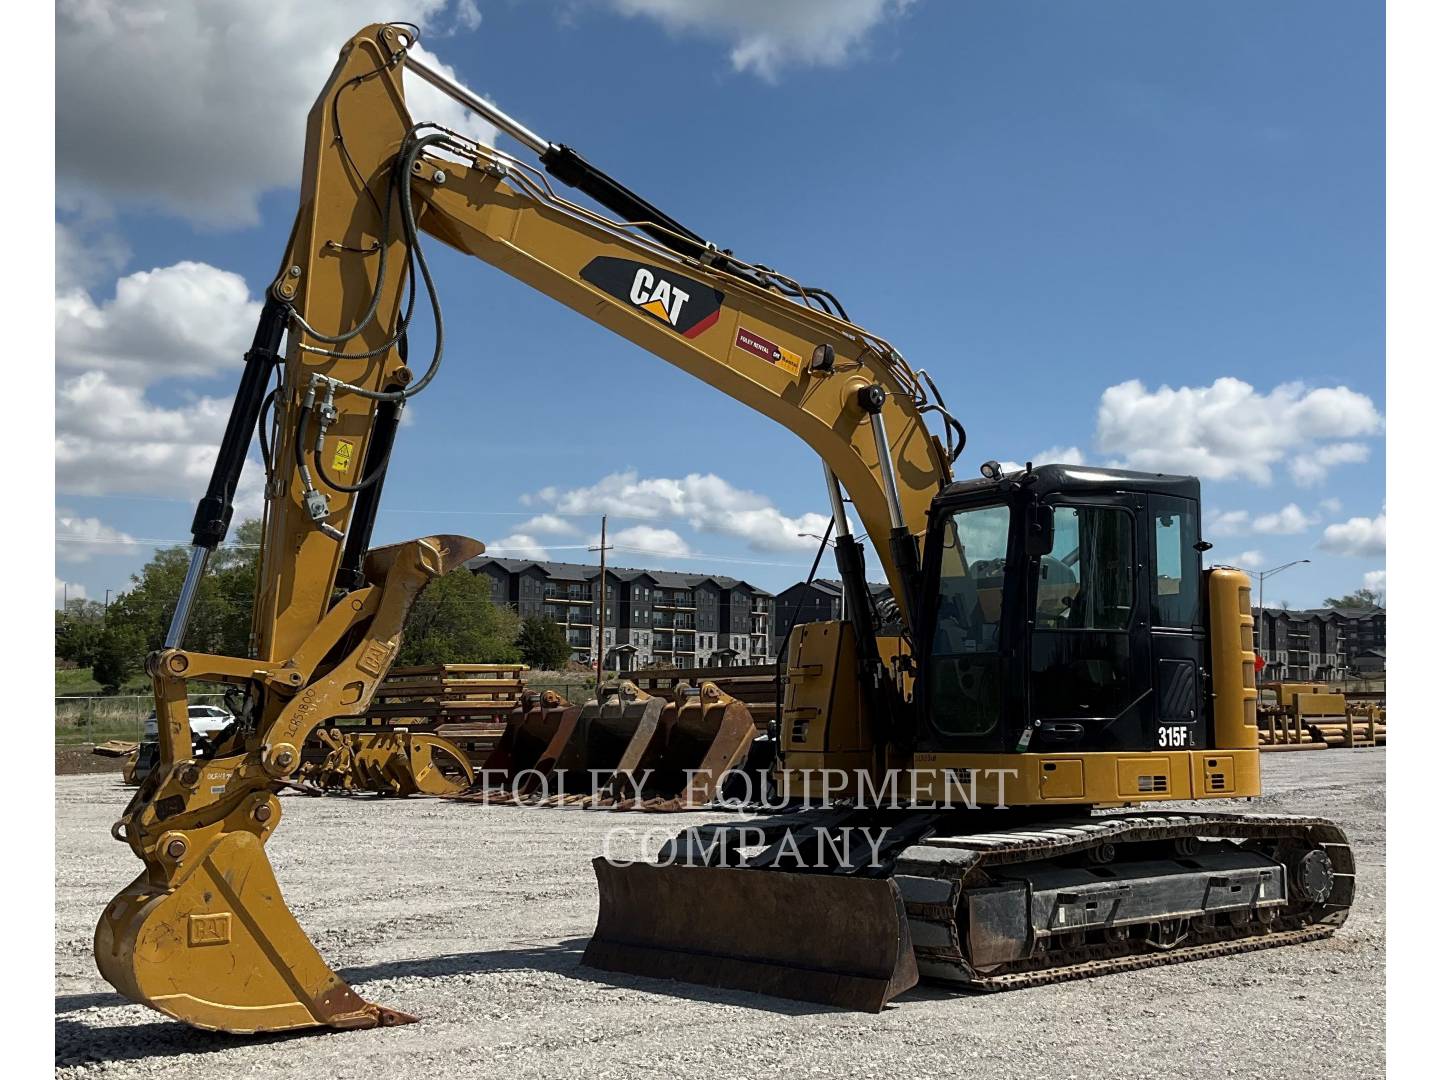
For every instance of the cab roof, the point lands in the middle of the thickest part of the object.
(1081, 480)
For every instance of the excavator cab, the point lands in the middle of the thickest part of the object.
(1065, 614)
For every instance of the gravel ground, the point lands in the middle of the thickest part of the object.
(473, 918)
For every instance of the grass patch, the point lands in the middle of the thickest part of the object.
(69, 681)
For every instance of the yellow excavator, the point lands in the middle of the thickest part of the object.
(1062, 649)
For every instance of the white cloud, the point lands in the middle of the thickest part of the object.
(648, 540)
(549, 523)
(467, 15)
(1287, 521)
(1228, 523)
(87, 251)
(1360, 536)
(1311, 468)
(70, 589)
(765, 36)
(175, 323)
(1060, 455)
(77, 538)
(708, 503)
(1246, 560)
(186, 320)
(517, 546)
(1330, 506)
(197, 109)
(1229, 429)
(1375, 581)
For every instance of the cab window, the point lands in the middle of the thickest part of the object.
(1175, 587)
(972, 576)
(965, 666)
(1087, 580)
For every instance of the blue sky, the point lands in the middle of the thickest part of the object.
(1057, 209)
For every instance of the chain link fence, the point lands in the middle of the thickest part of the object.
(88, 719)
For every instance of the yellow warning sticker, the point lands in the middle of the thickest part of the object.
(344, 451)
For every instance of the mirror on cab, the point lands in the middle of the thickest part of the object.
(1040, 529)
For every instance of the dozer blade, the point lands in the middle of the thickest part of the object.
(841, 941)
(222, 951)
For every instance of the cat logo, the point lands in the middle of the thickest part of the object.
(660, 298)
(687, 306)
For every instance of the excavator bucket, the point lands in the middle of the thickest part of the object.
(841, 941)
(203, 933)
(221, 951)
(707, 734)
(623, 730)
(540, 739)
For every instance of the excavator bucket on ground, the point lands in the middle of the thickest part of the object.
(203, 933)
(541, 739)
(738, 929)
(706, 734)
(622, 732)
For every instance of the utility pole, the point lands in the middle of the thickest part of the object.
(600, 629)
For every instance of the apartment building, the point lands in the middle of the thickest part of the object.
(652, 617)
(1319, 643)
(820, 600)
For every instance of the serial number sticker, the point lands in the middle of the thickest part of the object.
(766, 349)
(344, 451)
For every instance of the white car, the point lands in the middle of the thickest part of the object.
(205, 720)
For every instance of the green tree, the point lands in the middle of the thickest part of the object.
(77, 631)
(119, 656)
(543, 644)
(138, 618)
(1368, 599)
(454, 621)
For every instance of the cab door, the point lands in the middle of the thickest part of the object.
(1176, 623)
(1089, 664)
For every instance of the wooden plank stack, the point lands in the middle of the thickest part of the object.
(752, 684)
(466, 703)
